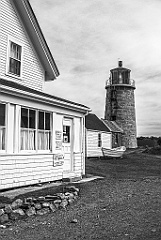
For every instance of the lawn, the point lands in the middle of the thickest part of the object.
(125, 204)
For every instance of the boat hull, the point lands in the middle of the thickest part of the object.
(114, 152)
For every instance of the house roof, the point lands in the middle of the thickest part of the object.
(113, 126)
(29, 20)
(19, 90)
(92, 122)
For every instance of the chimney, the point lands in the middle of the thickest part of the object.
(120, 63)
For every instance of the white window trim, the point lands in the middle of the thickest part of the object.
(14, 40)
(6, 111)
(36, 150)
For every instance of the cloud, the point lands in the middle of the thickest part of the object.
(87, 38)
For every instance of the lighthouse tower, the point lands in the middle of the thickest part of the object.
(120, 103)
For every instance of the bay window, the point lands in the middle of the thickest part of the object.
(2, 126)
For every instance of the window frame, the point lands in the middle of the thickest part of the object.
(36, 129)
(66, 134)
(15, 41)
(44, 131)
(99, 140)
(28, 150)
(5, 146)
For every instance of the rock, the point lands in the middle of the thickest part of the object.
(57, 201)
(70, 201)
(69, 196)
(29, 199)
(25, 206)
(37, 206)
(4, 218)
(31, 211)
(16, 204)
(2, 205)
(45, 204)
(1, 211)
(64, 203)
(76, 193)
(51, 198)
(72, 189)
(61, 195)
(43, 211)
(8, 208)
(2, 226)
(14, 216)
(19, 211)
(52, 207)
(41, 199)
(74, 221)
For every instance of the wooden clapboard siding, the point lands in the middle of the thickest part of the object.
(11, 25)
(107, 140)
(78, 162)
(19, 170)
(92, 143)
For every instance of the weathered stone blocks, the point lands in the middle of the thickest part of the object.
(28, 207)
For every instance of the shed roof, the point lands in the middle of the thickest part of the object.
(112, 125)
(92, 122)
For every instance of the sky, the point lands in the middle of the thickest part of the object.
(87, 37)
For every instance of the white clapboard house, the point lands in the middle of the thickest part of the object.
(42, 137)
(101, 133)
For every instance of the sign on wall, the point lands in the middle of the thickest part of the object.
(58, 140)
(58, 160)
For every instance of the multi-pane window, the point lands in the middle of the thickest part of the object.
(15, 55)
(35, 130)
(99, 140)
(2, 126)
(44, 131)
(28, 129)
(66, 134)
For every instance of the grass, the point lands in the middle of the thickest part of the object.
(125, 204)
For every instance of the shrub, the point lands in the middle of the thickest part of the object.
(159, 141)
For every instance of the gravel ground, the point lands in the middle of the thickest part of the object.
(125, 204)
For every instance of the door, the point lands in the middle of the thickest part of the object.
(67, 144)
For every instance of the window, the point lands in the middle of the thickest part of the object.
(2, 126)
(44, 131)
(28, 130)
(35, 135)
(99, 140)
(15, 56)
(66, 134)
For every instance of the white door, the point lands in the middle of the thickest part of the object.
(67, 143)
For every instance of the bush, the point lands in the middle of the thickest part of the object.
(159, 141)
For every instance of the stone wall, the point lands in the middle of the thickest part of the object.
(125, 114)
(21, 208)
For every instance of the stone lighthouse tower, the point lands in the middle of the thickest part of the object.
(120, 103)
